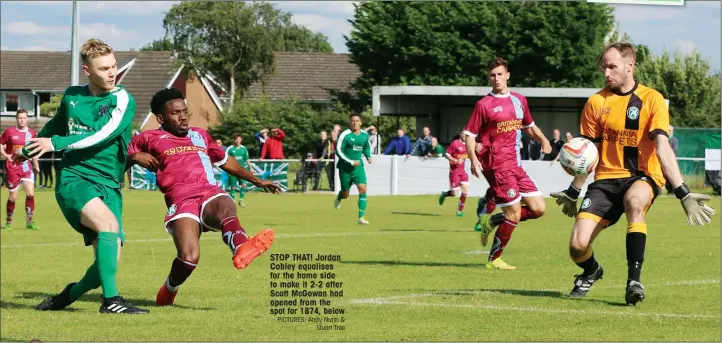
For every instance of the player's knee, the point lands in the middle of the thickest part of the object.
(513, 216)
(577, 249)
(635, 204)
(344, 195)
(190, 255)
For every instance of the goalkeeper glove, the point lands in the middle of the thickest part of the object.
(698, 213)
(568, 200)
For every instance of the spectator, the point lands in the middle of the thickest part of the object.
(401, 144)
(557, 144)
(674, 142)
(220, 143)
(569, 136)
(337, 129)
(436, 149)
(322, 149)
(261, 137)
(273, 147)
(374, 140)
(46, 170)
(421, 146)
(524, 147)
(331, 166)
(534, 150)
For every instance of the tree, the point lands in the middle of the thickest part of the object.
(235, 41)
(548, 44)
(297, 38)
(162, 44)
(49, 108)
(694, 91)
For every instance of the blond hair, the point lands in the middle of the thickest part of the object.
(627, 50)
(94, 48)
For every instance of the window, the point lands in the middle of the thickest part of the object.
(11, 103)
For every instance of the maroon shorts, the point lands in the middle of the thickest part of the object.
(457, 177)
(17, 176)
(190, 204)
(509, 186)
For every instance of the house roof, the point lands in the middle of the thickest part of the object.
(307, 76)
(50, 71)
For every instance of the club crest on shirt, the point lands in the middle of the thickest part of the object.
(586, 203)
(511, 193)
(172, 209)
(103, 110)
(497, 109)
(633, 113)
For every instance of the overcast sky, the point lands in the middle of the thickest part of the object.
(132, 24)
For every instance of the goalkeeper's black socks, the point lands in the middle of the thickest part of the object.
(636, 242)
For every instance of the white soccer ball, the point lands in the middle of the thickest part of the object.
(579, 157)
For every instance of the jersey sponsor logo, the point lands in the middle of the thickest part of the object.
(633, 113)
(508, 126)
(172, 209)
(76, 129)
(497, 109)
(586, 203)
(622, 137)
(182, 149)
(72, 103)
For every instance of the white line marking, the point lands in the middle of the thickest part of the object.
(477, 252)
(287, 235)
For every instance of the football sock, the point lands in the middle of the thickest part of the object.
(587, 262)
(636, 242)
(242, 193)
(90, 281)
(180, 270)
(361, 205)
(9, 210)
(502, 237)
(338, 196)
(528, 214)
(462, 202)
(233, 233)
(29, 208)
(107, 260)
(449, 193)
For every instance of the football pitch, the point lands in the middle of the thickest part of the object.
(415, 274)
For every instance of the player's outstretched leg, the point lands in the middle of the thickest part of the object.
(221, 212)
(73, 291)
(580, 250)
(186, 233)
(502, 237)
(362, 204)
(345, 178)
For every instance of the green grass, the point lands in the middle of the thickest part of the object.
(416, 274)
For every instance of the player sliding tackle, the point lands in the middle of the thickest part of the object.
(182, 158)
(352, 145)
(629, 123)
(495, 124)
(458, 178)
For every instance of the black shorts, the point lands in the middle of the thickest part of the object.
(604, 200)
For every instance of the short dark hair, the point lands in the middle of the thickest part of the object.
(625, 49)
(157, 104)
(237, 136)
(354, 114)
(20, 110)
(497, 62)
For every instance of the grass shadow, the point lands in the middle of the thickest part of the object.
(97, 299)
(421, 264)
(418, 214)
(530, 293)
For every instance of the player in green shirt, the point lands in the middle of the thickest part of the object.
(240, 153)
(352, 145)
(92, 128)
